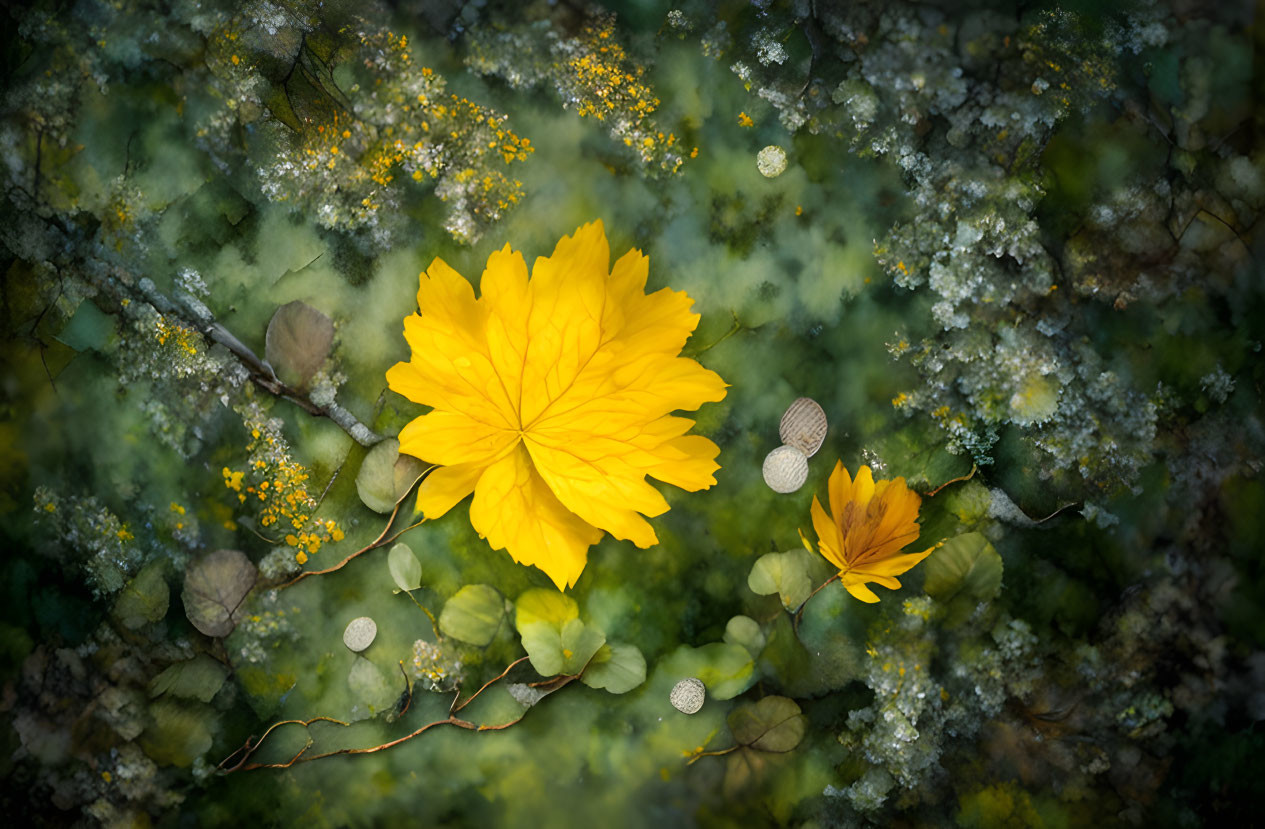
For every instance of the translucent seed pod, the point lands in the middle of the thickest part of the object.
(804, 426)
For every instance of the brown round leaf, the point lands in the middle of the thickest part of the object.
(214, 587)
(773, 724)
(298, 342)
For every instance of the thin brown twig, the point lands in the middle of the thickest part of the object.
(249, 748)
(260, 372)
(258, 534)
(554, 683)
(800, 611)
(299, 758)
(377, 542)
(251, 745)
(403, 531)
(408, 689)
(454, 708)
(1056, 512)
(968, 476)
(500, 727)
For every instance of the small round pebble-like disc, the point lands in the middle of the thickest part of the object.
(804, 426)
(360, 634)
(771, 161)
(785, 469)
(688, 695)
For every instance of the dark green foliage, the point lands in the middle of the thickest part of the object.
(1026, 241)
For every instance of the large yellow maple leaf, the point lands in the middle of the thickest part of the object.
(551, 400)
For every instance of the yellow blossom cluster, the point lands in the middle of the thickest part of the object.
(592, 73)
(182, 524)
(123, 213)
(603, 82)
(277, 484)
(179, 512)
(110, 553)
(181, 338)
(1068, 67)
(403, 124)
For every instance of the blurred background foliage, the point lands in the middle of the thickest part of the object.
(1019, 238)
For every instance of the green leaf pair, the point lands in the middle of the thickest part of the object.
(559, 643)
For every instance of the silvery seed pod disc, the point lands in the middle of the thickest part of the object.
(785, 469)
(804, 426)
(688, 695)
(360, 634)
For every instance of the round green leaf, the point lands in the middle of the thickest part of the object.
(370, 687)
(406, 570)
(214, 587)
(544, 605)
(88, 328)
(375, 482)
(786, 574)
(298, 342)
(579, 643)
(773, 724)
(966, 565)
(406, 472)
(543, 644)
(566, 650)
(618, 668)
(745, 631)
(726, 669)
(197, 678)
(145, 598)
(473, 614)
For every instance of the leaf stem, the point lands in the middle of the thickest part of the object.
(434, 626)
(377, 542)
(737, 326)
(716, 753)
(800, 611)
(968, 476)
(455, 707)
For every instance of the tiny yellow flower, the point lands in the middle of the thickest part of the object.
(869, 523)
